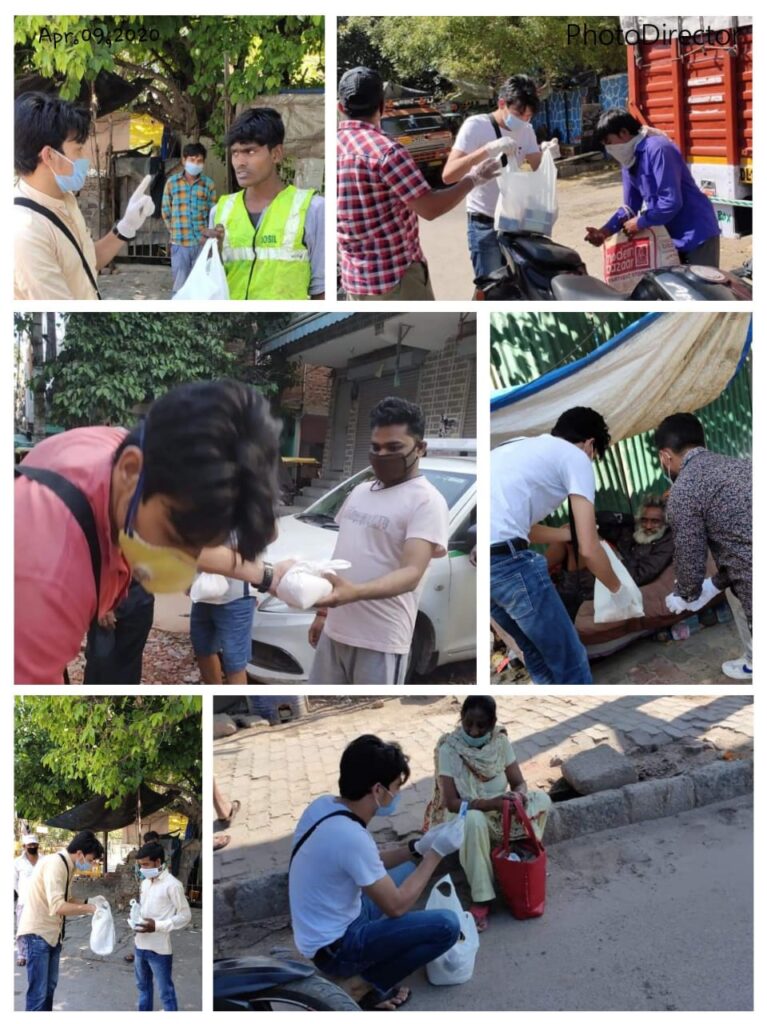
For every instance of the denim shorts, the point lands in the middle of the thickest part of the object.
(224, 629)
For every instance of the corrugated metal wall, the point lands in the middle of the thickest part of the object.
(527, 345)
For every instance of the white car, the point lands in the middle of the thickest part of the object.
(445, 628)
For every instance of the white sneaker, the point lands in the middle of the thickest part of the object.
(739, 669)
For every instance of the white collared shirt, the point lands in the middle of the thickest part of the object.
(162, 899)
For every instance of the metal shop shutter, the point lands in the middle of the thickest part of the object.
(371, 393)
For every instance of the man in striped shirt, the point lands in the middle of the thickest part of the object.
(188, 198)
(381, 195)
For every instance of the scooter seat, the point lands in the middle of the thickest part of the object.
(581, 288)
(540, 249)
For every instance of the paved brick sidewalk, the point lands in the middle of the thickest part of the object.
(275, 772)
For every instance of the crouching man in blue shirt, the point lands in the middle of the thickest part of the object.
(657, 182)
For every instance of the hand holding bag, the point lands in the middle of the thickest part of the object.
(522, 881)
(207, 279)
(527, 200)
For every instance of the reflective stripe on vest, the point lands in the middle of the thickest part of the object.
(282, 270)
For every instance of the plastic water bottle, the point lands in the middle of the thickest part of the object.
(463, 808)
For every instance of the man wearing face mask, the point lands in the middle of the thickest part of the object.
(709, 509)
(187, 200)
(23, 867)
(658, 190)
(164, 909)
(54, 254)
(389, 528)
(96, 506)
(530, 477)
(47, 905)
(351, 902)
(505, 133)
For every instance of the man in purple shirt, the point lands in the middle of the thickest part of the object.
(657, 182)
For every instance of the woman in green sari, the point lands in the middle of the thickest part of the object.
(476, 762)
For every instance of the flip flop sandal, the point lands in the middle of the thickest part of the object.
(219, 842)
(129, 958)
(372, 1001)
(480, 915)
(232, 814)
(21, 962)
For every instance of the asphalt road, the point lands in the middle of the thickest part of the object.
(657, 916)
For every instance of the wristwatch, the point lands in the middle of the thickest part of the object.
(266, 582)
(123, 238)
(413, 852)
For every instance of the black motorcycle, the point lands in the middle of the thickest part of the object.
(538, 268)
(271, 984)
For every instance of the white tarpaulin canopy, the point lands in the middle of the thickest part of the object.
(662, 364)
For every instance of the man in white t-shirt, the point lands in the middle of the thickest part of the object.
(389, 528)
(350, 903)
(530, 477)
(505, 133)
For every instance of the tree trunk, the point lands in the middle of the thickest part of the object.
(50, 337)
(37, 383)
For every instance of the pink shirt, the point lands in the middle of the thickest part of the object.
(374, 523)
(55, 595)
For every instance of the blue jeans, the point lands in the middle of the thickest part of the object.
(182, 259)
(385, 950)
(149, 965)
(42, 972)
(525, 603)
(485, 253)
(225, 628)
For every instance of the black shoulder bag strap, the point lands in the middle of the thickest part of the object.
(80, 507)
(497, 130)
(30, 204)
(66, 895)
(333, 814)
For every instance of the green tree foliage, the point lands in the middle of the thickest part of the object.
(69, 749)
(192, 61)
(111, 363)
(487, 49)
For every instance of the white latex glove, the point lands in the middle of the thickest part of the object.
(484, 172)
(623, 598)
(450, 839)
(676, 604)
(553, 145)
(502, 146)
(139, 207)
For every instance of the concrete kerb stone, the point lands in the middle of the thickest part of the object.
(267, 895)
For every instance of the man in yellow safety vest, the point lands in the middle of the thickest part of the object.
(273, 234)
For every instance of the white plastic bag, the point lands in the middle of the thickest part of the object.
(626, 604)
(303, 585)
(135, 914)
(102, 927)
(209, 587)
(527, 200)
(456, 966)
(207, 279)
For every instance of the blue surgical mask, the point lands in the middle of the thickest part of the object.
(390, 808)
(193, 169)
(82, 865)
(73, 182)
(476, 741)
(513, 122)
(150, 872)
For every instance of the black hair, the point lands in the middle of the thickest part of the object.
(368, 760)
(194, 149)
(579, 424)
(152, 851)
(44, 120)
(392, 411)
(613, 121)
(679, 431)
(262, 125)
(151, 837)
(519, 92)
(480, 703)
(213, 448)
(85, 842)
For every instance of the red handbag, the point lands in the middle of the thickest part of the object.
(522, 882)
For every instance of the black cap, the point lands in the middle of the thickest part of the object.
(360, 91)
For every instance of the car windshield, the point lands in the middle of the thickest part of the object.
(452, 485)
(411, 123)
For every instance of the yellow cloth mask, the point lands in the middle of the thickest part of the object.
(159, 570)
